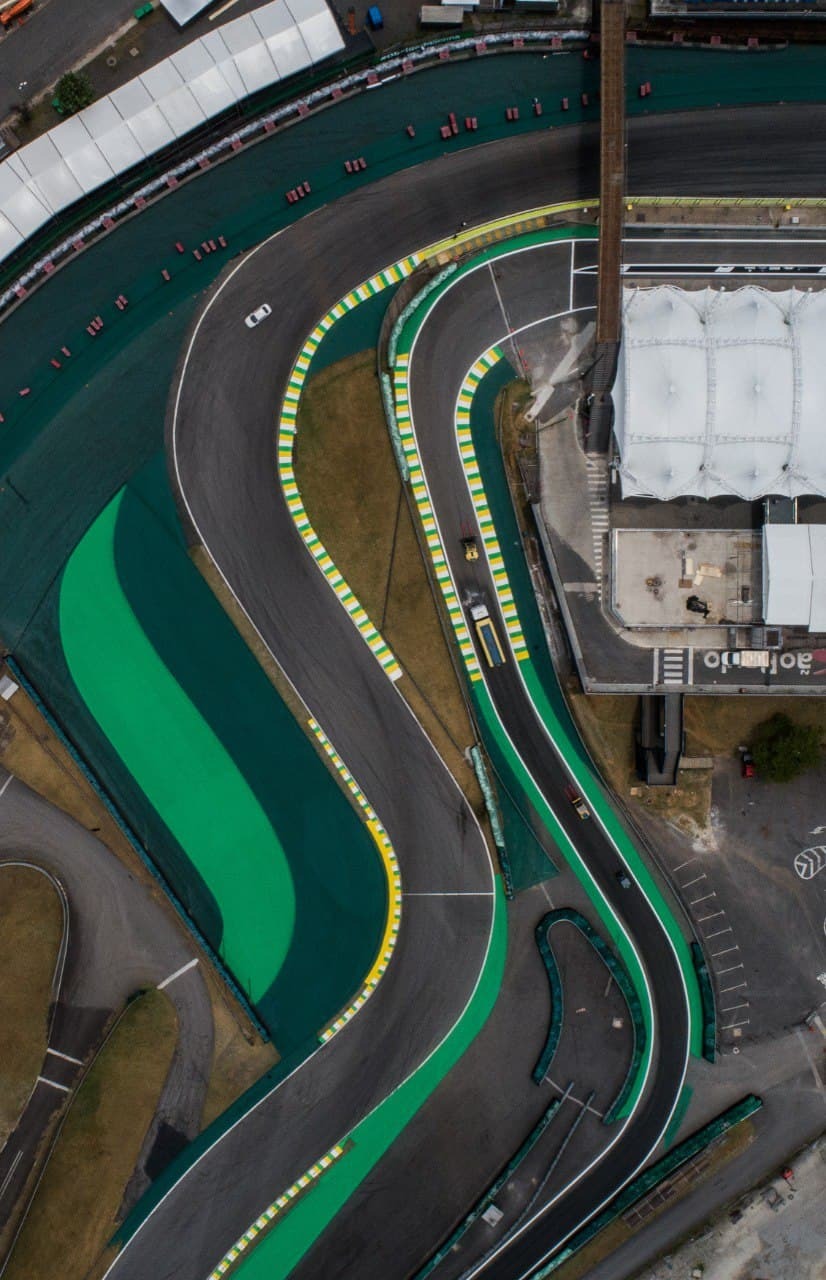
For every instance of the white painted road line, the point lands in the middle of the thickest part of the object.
(713, 916)
(718, 934)
(715, 954)
(704, 898)
(67, 1057)
(736, 987)
(567, 1096)
(9, 779)
(809, 1059)
(728, 1026)
(731, 1007)
(62, 1087)
(697, 880)
(15, 1162)
(731, 970)
(680, 865)
(183, 969)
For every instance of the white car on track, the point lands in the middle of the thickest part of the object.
(260, 313)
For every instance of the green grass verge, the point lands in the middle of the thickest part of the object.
(76, 1204)
(31, 926)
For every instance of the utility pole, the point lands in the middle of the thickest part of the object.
(611, 201)
(612, 167)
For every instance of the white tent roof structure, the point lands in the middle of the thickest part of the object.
(183, 11)
(721, 393)
(794, 576)
(156, 108)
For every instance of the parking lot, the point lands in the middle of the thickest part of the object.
(755, 889)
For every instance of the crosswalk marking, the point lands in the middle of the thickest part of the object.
(597, 475)
(673, 666)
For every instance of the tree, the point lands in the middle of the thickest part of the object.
(783, 749)
(74, 92)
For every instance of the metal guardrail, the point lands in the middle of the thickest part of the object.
(493, 1190)
(123, 826)
(654, 1175)
(620, 976)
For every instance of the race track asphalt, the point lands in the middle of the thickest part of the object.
(119, 940)
(466, 321)
(223, 435)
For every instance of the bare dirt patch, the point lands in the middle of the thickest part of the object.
(31, 927)
(617, 1232)
(32, 752)
(607, 725)
(75, 1209)
(718, 726)
(353, 494)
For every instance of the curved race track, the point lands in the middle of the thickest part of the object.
(223, 438)
(120, 939)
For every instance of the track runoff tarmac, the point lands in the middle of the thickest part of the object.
(467, 320)
(221, 444)
(117, 939)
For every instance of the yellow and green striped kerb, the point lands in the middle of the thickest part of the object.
(425, 510)
(394, 885)
(464, 437)
(287, 427)
(273, 1211)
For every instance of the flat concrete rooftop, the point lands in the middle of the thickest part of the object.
(656, 572)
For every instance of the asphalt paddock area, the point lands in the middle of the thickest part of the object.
(757, 899)
(772, 870)
(455, 1147)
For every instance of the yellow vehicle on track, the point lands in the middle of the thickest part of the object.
(486, 634)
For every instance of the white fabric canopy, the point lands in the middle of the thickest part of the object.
(163, 104)
(183, 11)
(794, 576)
(721, 393)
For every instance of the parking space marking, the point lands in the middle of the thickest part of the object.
(45, 1080)
(710, 897)
(729, 1025)
(809, 1059)
(15, 1162)
(178, 973)
(567, 1096)
(67, 1057)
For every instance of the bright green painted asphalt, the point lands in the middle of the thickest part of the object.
(263, 848)
(48, 491)
(183, 769)
(550, 711)
(543, 686)
(278, 1253)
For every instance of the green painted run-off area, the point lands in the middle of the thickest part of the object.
(264, 850)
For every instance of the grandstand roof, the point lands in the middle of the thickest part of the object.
(721, 393)
(159, 106)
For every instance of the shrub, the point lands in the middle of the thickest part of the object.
(783, 749)
(74, 91)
